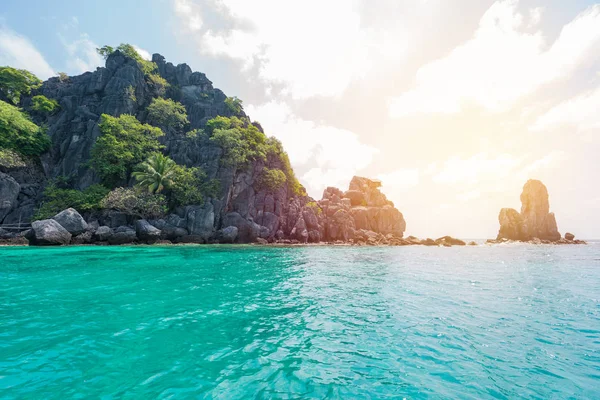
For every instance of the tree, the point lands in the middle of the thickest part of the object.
(167, 113)
(191, 185)
(105, 51)
(16, 82)
(124, 142)
(272, 179)
(18, 133)
(57, 198)
(234, 105)
(134, 201)
(156, 173)
(44, 105)
(241, 143)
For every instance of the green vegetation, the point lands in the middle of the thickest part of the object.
(57, 198)
(272, 179)
(147, 67)
(159, 83)
(130, 93)
(63, 77)
(156, 173)
(241, 143)
(191, 185)
(44, 105)
(234, 105)
(167, 113)
(135, 201)
(315, 207)
(16, 82)
(275, 150)
(11, 159)
(124, 142)
(18, 133)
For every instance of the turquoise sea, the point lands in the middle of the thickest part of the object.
(243, 322)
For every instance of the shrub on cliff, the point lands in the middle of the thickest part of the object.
(275, 150)
(240, 142)
(18, 133)
(167, 113)
(124, 142)
(191, 186)
(134, 201)
(57, 198)
(16, 82)
(44, 105)
(272, 179)
(234, 105)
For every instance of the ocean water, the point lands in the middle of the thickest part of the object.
(242, 322)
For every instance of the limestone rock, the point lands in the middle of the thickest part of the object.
(9, 191)
(48, 232)
(71, 220)
(511, 225)
(103, 233)
(569, 236)
(229, 234)
(123, 235)
(146, 232)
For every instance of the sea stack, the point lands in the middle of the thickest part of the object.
(534, 222)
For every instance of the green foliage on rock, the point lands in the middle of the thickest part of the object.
(105, 51)
(18, 133)
(315, 207)
(275, 150)
(147, 67)
(241, 142)
(16, 82)
(156, 173)
(234, 105)
(11, 159)
(135, 201)
(44, 105)
(158, 83)
(191, 186)
(124, 142)
(272, 179)
(167, 113)
(57, 198)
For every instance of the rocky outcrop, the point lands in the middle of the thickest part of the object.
(146, 232)
(71, 220)
(48, 232)
(535, 222)
(9, 191)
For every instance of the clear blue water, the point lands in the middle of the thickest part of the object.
(246, 322)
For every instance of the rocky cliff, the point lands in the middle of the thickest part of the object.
(243, 211)
(535, 222)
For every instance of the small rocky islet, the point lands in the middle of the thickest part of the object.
(258, 200)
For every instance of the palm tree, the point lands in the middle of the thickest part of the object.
(156, 173)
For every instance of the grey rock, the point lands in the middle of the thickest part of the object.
(122, 235)
(229, 234)
(103, 233)
(48, 232)
(9, 191)
(146, 232)
(71, 220)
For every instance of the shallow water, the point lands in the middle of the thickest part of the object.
(514, 321)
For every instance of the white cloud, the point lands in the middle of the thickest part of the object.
(400, 180)
(501, 63)
(18, 52)
(313, 48)
(549, 160)
(189, 13)
(82, 53)
(475, 169)
(336, 154)
(580, 112)
(144, 53)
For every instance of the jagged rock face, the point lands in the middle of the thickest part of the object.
(534, 220)
(9, 191)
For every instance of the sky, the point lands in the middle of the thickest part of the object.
(452, 104)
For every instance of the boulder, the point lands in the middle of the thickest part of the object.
(428, 242)
(201, 220)
(9, 191)
(262, 241)
(71, 220)
(173, 232)
(48, 232)
(82, 238)
(248, 230)
(122, 235)
(357, 197)
(569, 236)
(146, 232)
(228, 234)
(450, 241)
(511, 225)
(103, 233)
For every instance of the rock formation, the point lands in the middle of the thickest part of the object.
(535, 222)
